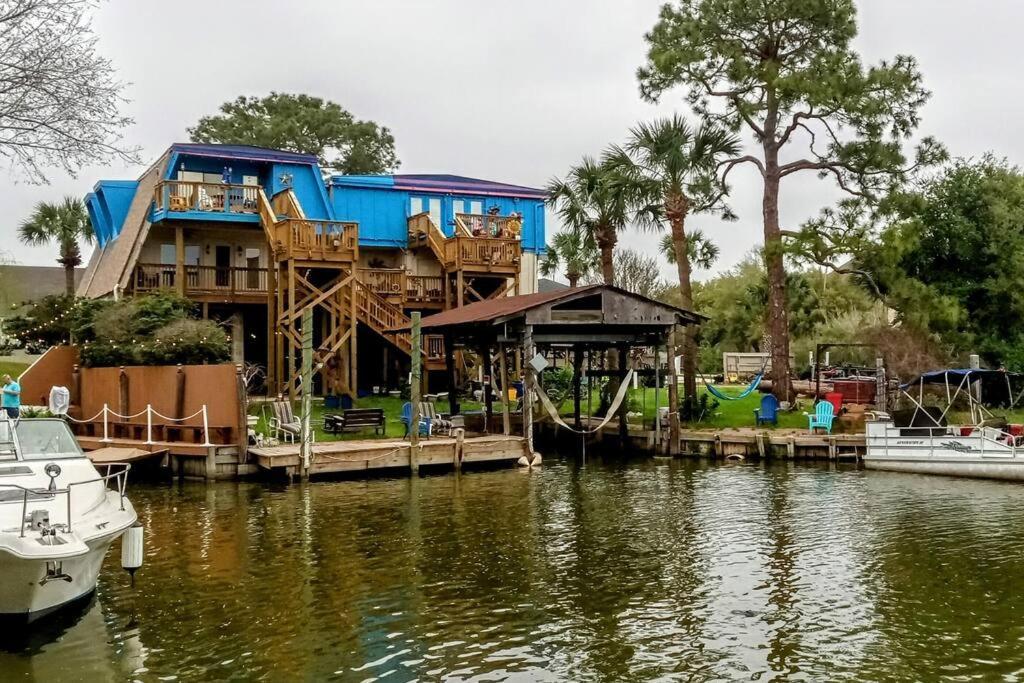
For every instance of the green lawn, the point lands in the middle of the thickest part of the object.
(12, 368)
(392, 411)
(739, 413)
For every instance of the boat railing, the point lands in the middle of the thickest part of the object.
(120, 478)
(990, 441)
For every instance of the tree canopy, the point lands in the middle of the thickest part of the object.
(306, 124)
(60, 100)
(67, 224)
(949, 258)
(786, 71)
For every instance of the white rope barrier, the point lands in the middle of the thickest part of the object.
(149, 412)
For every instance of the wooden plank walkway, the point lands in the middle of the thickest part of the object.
(378, 454)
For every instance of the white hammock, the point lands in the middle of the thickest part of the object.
(553, 412)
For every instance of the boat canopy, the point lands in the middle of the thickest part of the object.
(957, 375)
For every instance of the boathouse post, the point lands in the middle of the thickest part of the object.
(122, 398)
(624, 408)
(673, 395)
(414, 392)
(528, 353)
(657, 395)
(449, 367)
(485, 358)
(506, 419)
(577, 370)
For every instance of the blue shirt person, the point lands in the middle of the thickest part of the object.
(10, 400)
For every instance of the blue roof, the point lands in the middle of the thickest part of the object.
(248, 152)
(440, 182)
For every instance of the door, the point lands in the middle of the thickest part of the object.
(222, 261)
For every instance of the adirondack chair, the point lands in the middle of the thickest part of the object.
(824, 414)
(768, 412)
(406, 420)
(437, 423)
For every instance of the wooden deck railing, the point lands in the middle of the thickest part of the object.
(201, 279)
(486, 225)
(326, 240)
(387, 282)
(486, 252)
(425, 289)
(188, 195)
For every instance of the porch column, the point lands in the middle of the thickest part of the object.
(179, 259)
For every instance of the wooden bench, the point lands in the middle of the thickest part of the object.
(354, 419)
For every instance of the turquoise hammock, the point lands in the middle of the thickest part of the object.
(743, 394)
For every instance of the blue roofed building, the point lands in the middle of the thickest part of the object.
(256, 237)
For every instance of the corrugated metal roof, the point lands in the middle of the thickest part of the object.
(494, 309)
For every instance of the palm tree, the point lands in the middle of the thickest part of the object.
(703, 252)
(67, 224)
(573, 249)
(591, 200)
(670, 170)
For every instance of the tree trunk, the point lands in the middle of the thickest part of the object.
(69, 280)
(574, 279)
(676, 211)
(778, 315)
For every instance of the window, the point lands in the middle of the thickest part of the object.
(192, 254)
(46, 439)
(168, 254)
(252, 264)
(435, 210)
(458, 206)
(250, 180)
(415, 206)
(476, 207)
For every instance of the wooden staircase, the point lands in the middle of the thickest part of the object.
(388, 320)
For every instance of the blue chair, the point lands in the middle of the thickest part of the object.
(406, 420)
(824, 414)
(768, 412)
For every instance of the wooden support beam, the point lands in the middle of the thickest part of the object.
(624, 408)
(528, 352)
(415, 396)
(449, 367)
(179, 259)
(485, 358)
(577, 371)
(506, 420)
(673, 396)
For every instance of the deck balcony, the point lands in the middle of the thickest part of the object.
(191, 200)
(314, 240)
(481, 243)
(239, 285)
(400, 288)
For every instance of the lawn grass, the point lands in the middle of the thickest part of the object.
(392, 413)
(12, 368)
(727, 414)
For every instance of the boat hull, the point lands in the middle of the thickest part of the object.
(27, 592)
(1009, 471)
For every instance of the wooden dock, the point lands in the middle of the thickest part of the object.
(368, 455)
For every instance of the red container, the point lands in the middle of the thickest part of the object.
(855, 390)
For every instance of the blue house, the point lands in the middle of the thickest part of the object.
(257, 236)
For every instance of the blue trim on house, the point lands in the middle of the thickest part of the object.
(208, 216)
(108, 206)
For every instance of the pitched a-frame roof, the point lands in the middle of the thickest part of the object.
(496, 311)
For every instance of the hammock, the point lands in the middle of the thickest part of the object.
(743, 394)
(614, 408)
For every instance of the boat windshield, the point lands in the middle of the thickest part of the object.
(45, 440)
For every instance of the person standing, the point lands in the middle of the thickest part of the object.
(11, 399)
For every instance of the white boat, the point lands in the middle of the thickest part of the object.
(931, 446)
(58, 517)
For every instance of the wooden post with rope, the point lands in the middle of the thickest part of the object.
(306, 448)
(414, 394)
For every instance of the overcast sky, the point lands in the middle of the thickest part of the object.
(507, 91)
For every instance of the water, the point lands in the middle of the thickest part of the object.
(665, 570)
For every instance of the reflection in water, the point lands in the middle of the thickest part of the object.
(658, 569)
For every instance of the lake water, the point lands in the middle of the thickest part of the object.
(659, 570)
